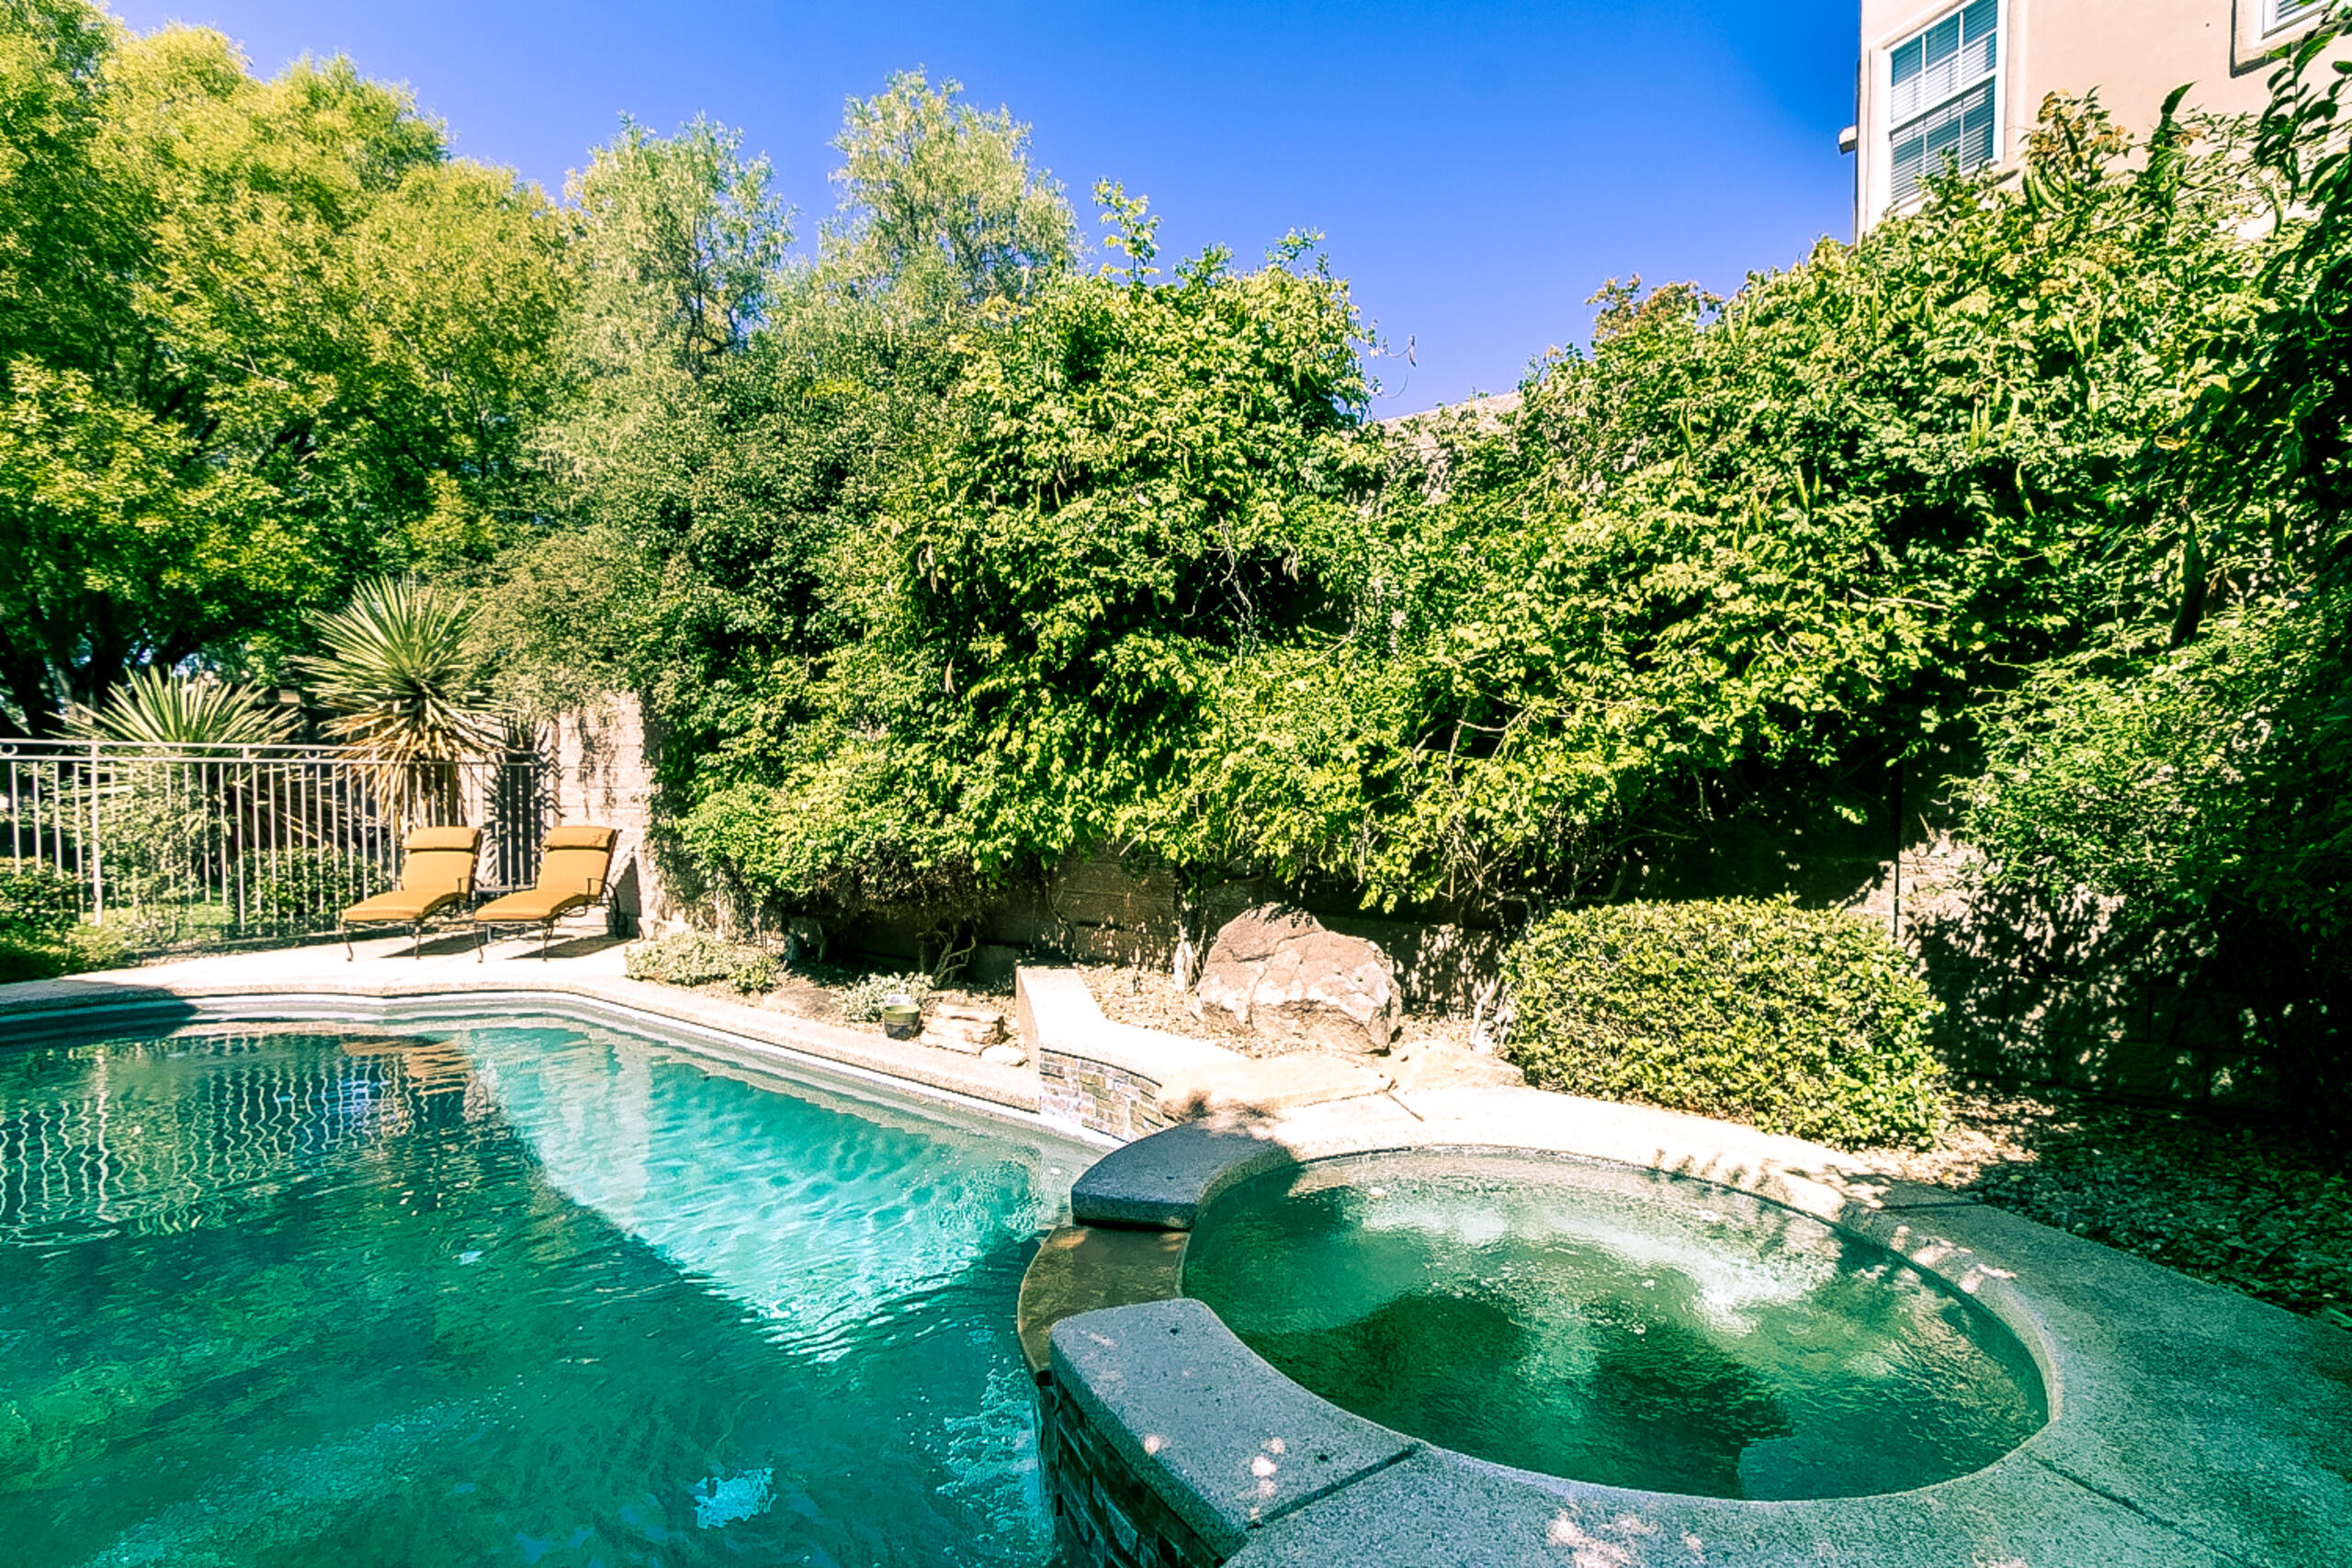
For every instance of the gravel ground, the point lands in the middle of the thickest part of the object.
(2243, 1203)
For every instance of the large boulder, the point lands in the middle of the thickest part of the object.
(1279, 981)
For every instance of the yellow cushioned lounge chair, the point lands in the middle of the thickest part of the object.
(436, 876)
(575, 866)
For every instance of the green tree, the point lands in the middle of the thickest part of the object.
(260, 339)
(940, 205)
(2181, 777)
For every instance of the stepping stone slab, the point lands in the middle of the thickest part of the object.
(1160, 1182)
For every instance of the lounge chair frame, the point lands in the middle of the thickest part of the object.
(422, 841)
(594, 888)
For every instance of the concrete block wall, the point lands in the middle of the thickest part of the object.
(603, 775)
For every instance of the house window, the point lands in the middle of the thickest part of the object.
(1941, 107)
(2285, 13)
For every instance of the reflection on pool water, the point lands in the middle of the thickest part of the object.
(1612, 1326)
(531, 1291)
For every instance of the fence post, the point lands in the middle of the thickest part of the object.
(98, 871)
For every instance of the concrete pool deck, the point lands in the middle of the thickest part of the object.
(2190, 1425)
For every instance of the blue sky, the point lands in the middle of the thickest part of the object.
(1478, 169)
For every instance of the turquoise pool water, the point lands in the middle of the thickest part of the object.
(1614, 1325)
(526, 1292)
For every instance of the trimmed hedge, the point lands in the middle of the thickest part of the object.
(1806, 1021)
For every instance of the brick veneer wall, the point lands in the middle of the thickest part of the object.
(1099, 1097)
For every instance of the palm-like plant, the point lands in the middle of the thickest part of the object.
(194, 713)
(397, 674)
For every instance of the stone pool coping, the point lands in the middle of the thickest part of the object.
(2190, 1424)
(317, 982)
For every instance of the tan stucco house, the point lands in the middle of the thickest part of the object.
(1963, 79)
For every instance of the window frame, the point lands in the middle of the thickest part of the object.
(2277, 19)
(1994, 78)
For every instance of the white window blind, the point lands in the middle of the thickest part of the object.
(1942, 107)
(2285, 11)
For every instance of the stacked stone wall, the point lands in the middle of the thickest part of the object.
(1098, 1096)
(1104, 1516)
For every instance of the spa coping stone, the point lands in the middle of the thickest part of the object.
(1233, 1444)
(1163, 1181)
(1437, 1509)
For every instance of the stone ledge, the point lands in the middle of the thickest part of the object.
(1442, 1510)
(1122, 1081)
(1226, 1441)
(256, 982)
(1162, 1181)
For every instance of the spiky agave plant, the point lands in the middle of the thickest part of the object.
(162, 821)
(193, 711)
(398, 678)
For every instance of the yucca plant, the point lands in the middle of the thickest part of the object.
(193, 711)
(398, 678)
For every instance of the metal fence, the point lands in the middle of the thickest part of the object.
(171, 847)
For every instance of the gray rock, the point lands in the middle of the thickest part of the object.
(1280, 982)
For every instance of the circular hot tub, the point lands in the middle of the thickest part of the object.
(1612, 1325)
(1467, 1328)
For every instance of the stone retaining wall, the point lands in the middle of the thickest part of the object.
(1098, 1096)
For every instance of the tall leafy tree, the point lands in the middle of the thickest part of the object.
(940, 204)
(275, 338)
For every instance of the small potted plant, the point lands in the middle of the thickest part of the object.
(901, 1016)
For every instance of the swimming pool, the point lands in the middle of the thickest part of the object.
(523, 1291)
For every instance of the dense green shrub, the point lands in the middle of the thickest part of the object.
(75, 952)
(38, 904)
(40, 932)
(22, 959)
(697, 958)
(1805, 1021)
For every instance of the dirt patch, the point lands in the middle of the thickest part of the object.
(2250, 1206)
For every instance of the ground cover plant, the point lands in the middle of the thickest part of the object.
(696, 958)
(2227, 1198)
